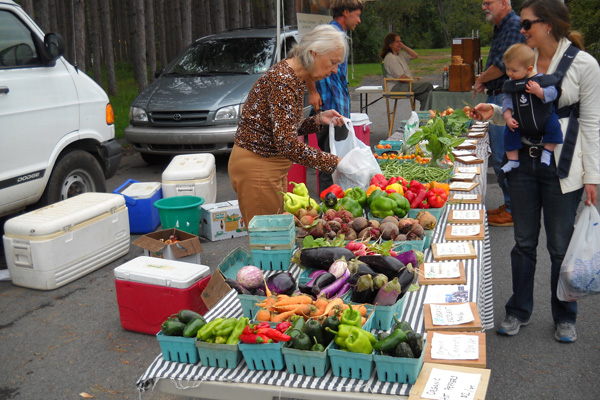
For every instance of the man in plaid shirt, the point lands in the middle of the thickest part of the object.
(332, 92)
(507, 31)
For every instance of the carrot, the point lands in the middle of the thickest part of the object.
(321, 302)
(331, 304)
(282, 316)
(263, 315)
(302, 308)
(361, 308)
(302, 299)
(268, 303)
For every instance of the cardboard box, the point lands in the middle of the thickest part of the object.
(188, 248)
(216, 289)
(222, 221)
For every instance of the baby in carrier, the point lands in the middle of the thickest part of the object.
(528, 107)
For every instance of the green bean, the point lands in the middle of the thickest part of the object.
(412, 171)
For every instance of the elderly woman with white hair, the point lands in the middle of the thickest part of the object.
(266, 141)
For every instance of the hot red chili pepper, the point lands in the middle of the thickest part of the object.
(262, 325)
(283, 326)
(379, 180)
(274, 334)
(335, 189)
(253, 338)
(416, 186)
(416, 203)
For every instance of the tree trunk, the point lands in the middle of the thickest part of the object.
(96, 34)
(217, 13)
(235, 14)
(150, 39)
(138, 44)
(246, 14)
(64, 28)
(175, 27)
(28, 7)
(186, 23)
(289, 12)
(444, 28)
(79, 42)
(109, 58)
(161, 33)
(41, 14)
(53, 16)
(204, 20)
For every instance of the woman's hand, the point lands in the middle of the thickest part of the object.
(330, 116)
(482, 112)
(591, 191)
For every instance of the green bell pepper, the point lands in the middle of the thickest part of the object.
(349, 204)
(351, 317)
(358, 341)
(382, 206)
(357, 194)
(402, 204)
(300, 189)
(375, 194)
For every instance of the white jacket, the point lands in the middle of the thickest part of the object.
(581, 83)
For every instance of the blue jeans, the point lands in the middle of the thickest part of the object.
(535, 189)
(497, 146)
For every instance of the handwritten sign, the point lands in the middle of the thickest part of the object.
(465, 196)
(463, 177)
(455, 314)
(465, 230)
(466, 214)
(448, 385)
(460, 185)
(448, 269)
(454, 347)
(306, 23)
(460, 153)
(446, 294)
(454, 249)
(468, 170)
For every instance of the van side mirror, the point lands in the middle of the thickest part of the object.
(54, 47)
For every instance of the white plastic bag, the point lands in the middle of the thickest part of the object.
(412, 125)
(580, 270)
(358, 164)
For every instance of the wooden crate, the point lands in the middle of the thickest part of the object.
(467, 48)
(462, 78)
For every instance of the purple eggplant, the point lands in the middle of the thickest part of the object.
(358, 267)
(363, 291)
(321, 282)
(408, 257)
(235, 285)
(331, 289)
(342, 291)
(387, 265)
(281, 283)
(406, 277)
(322, 257)
(388, 294)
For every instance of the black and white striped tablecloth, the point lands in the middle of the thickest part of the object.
(479, 285)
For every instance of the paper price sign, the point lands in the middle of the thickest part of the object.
(460, 185)
(466, 214)
(441, 270)
(454, 347)
(453, 249)
(446, 385)
(462, 153)
(452, 314)
(465, 230)
(467, 170)
(468, 158)
(459, 196)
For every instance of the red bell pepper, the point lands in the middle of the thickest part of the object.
(379, 180)
(436, 197)
(395, 179)
(416, 186)
(335, 189)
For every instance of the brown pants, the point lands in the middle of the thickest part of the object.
(257, 180)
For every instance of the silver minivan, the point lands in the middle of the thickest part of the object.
(194, 105)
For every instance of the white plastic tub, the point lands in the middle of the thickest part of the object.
(191, 175)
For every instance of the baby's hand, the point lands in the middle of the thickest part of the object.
(512, 124)
(535, 89)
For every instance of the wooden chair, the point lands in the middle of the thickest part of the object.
(389, 95)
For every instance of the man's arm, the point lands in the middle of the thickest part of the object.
(489, 74)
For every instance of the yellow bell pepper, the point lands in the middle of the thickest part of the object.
(441, 185)
(397, 187)
(371, 189)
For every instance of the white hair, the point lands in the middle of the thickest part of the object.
(323, 39)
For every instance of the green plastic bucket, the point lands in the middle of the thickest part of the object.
(180, 212)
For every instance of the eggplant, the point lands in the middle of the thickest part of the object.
(386, 265)
(281, 283)
(235, 285)
(358, 267)
(323, 257)
(330, 290)
(322, 281)
(406, 277)
(363, 291)
(389, 293)
(342, 291)
(408, 257)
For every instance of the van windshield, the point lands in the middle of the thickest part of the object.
(225, 56)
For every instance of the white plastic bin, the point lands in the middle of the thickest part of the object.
(191, 175)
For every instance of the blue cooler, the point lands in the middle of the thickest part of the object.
(140, 197)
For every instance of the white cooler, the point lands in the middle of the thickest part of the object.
(52, 246)
(191, 175)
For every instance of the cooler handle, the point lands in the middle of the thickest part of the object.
(130, 201)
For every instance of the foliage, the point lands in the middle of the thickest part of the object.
(585, 15)
(439, 142)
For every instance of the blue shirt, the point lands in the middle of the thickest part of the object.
(334, 89)
(506, 33)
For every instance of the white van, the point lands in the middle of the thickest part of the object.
(56, 124)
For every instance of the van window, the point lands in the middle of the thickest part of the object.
(16, 45)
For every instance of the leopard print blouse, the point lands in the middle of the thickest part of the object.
(271, 120)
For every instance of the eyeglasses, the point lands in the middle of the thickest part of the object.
(486, 4)
(526, 24)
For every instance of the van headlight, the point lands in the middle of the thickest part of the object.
(137, 114)
(228, 113)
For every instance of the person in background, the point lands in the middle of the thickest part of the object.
(528, 98)
(506, 33)
(266, 141)
(396, 56)
(332, 92)
(554, 191)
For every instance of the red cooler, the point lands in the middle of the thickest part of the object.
(150, 289)
(361, 124)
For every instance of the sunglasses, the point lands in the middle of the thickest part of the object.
(526, 24)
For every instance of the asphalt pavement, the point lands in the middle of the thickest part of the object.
(68, 342)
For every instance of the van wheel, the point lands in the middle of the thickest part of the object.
(75, 172)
